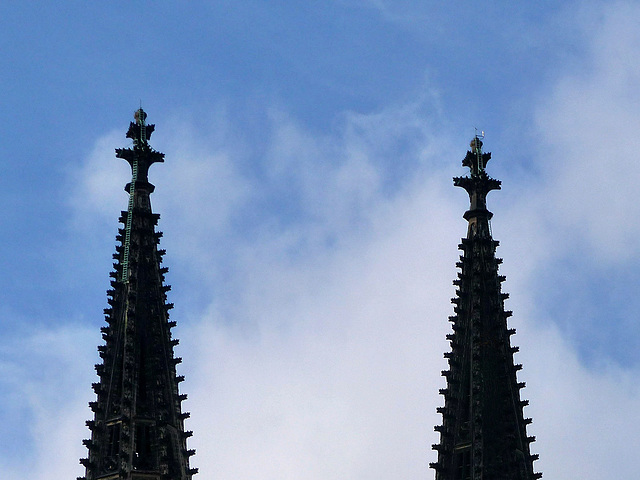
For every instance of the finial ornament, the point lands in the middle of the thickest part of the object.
(140, 136)
(476, 160)
(476, 145)
(142, 155)
(477, 185)
(140, 116)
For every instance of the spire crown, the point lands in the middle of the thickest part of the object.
(477, 185)
(139, 131)
(141, 156)
(475, 159)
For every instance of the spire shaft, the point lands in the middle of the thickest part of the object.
(138, 427)
(483, 433)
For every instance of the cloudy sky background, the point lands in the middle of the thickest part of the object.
(311, 225)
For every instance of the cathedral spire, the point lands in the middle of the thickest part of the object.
(483, 432)
(138, 427)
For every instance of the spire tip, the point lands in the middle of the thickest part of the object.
(140, 116)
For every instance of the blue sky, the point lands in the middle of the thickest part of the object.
(311, 224)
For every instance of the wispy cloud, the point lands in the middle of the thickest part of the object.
(44, 368)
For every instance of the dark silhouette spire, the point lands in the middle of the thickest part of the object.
(137, 432)
(483, 432)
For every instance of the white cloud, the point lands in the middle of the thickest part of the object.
(46, 370)
(97, 187)
(588, 149)
(331, 379)
(584, 419)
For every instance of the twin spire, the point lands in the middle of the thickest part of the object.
(137, 432)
